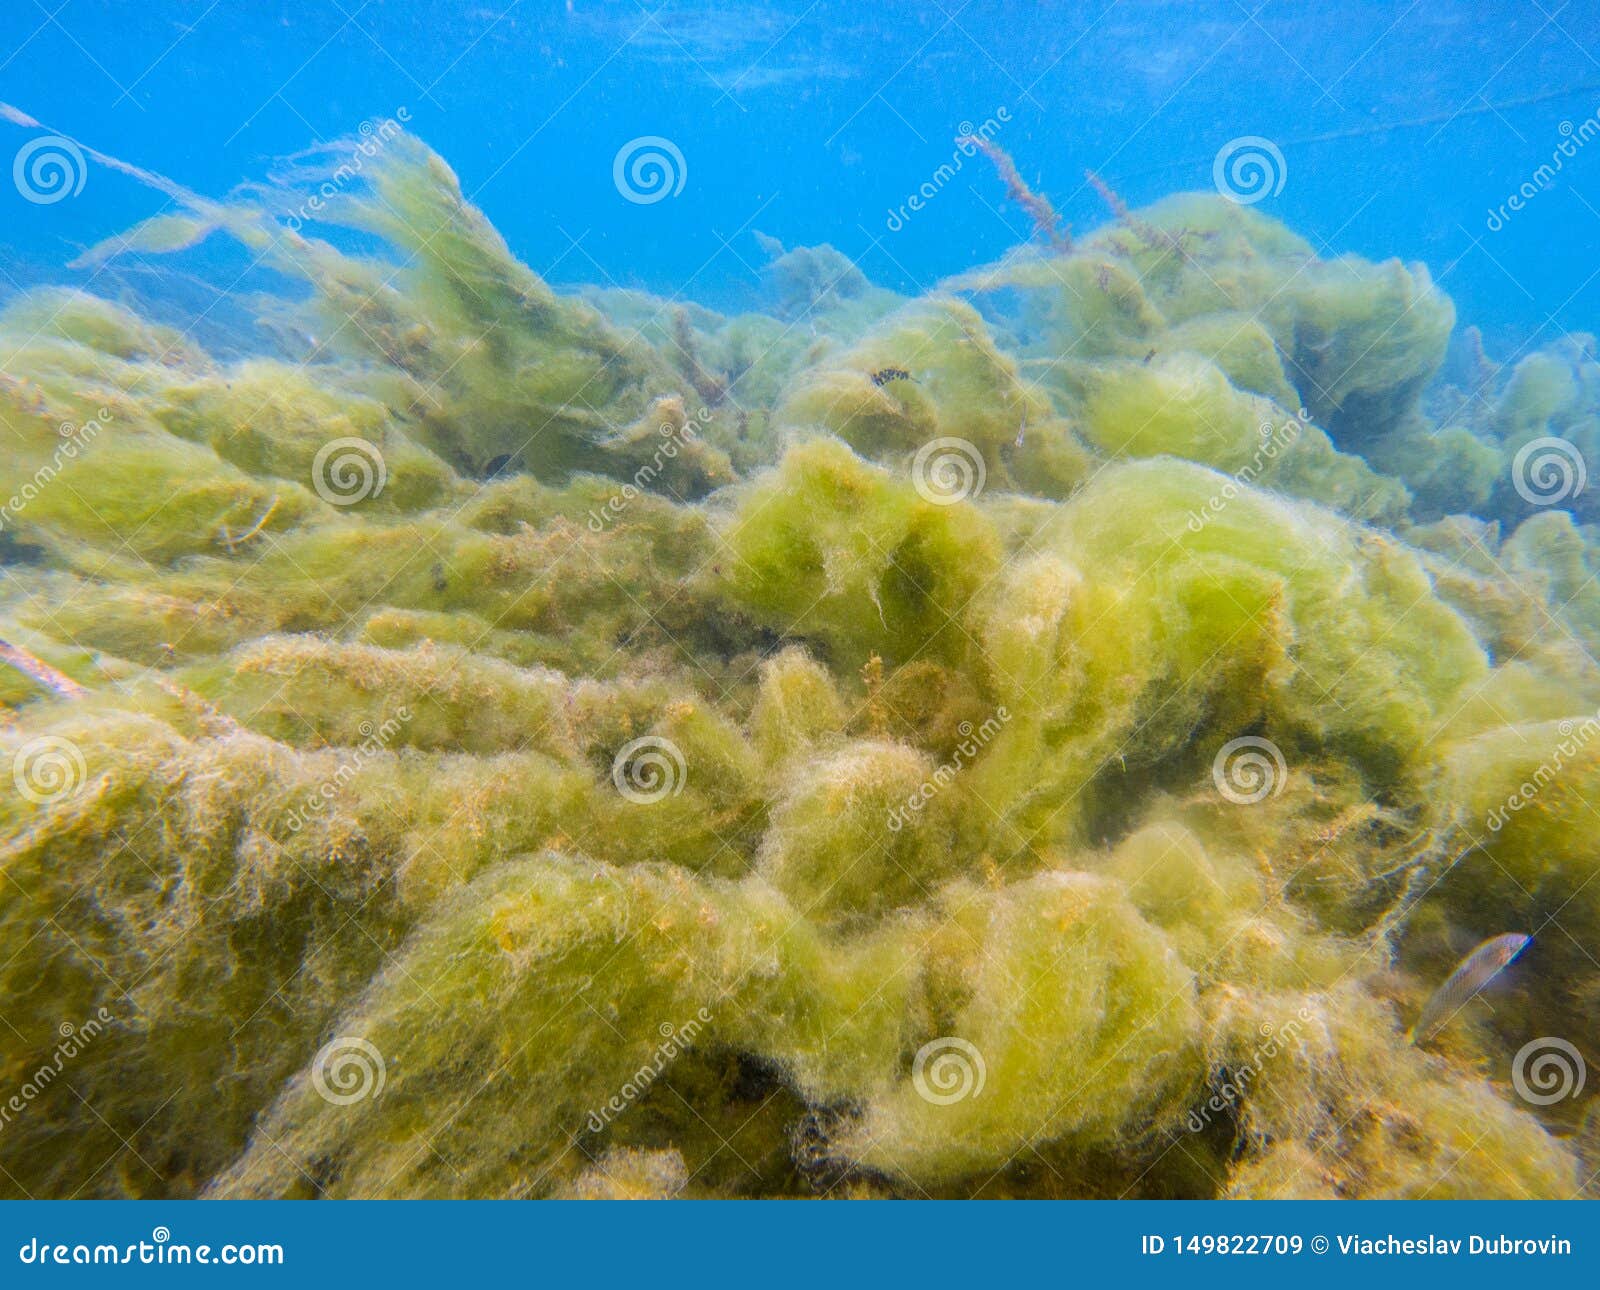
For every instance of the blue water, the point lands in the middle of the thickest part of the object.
(811, 122)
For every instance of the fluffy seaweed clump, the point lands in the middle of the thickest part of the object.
(1045, 738)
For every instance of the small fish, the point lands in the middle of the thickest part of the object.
(886, 374)
(1471, 975)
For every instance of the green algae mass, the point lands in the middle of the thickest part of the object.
(1042, 739)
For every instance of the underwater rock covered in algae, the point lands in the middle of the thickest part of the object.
(641, 769)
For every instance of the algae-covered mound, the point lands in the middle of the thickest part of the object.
(1049, 737)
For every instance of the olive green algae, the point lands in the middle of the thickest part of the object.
(785, 754)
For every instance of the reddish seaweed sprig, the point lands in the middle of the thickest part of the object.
(1145, 231)
(1047, 224)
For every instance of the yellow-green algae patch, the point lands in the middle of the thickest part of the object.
(1046, 738)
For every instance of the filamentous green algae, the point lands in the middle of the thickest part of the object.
(1044, 738)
